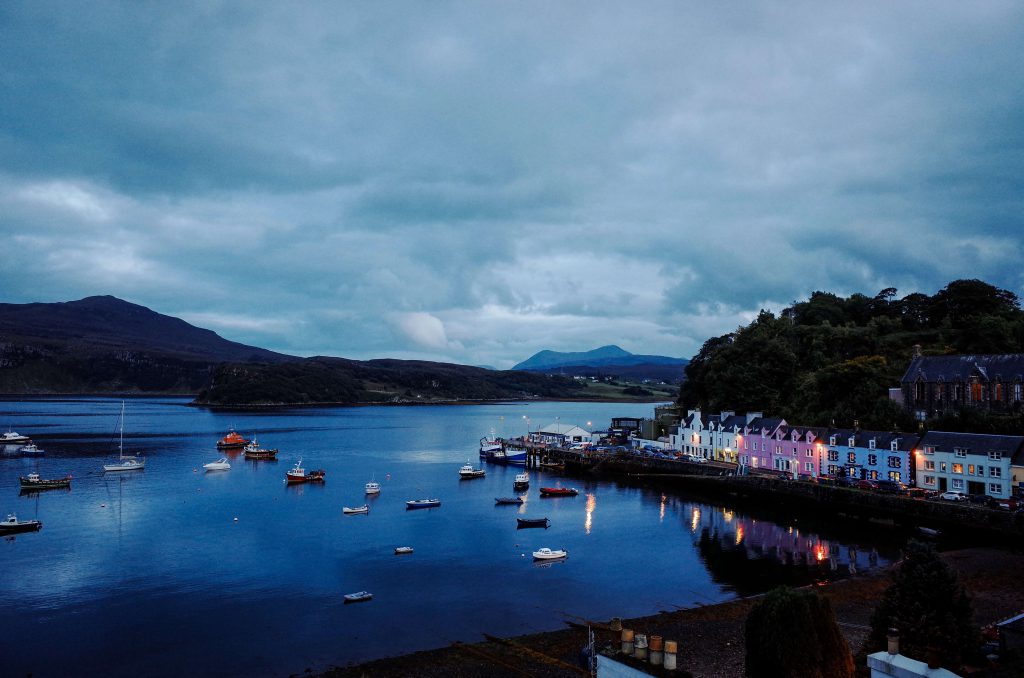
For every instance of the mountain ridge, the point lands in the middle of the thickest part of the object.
(603, 356)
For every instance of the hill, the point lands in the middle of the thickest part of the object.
(102, 344)
(605, 356)
(831, 359)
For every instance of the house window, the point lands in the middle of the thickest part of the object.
(851, 458)
(763, 448)
(995, 488)
(999, 392)
(808, 452)
(833, 455)
(895, 476)
(746, 445)
(1016, 392)
(852, 442)
(832, 439)
(871, 444)
(930, 466)
(833, 470)
(893, 445)
(976, 392)
(970, 469)
(942, 467)
(995, 472)
(958, 484)
(872, 459)
(929, 480)
(872, 475)
(995, 455)
(929, 449)
(809, 467)
(958, 468)
(895, 462)
(960, 451)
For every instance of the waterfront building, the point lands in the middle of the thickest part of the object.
(797, 450)
(757, 440)
(972, 463)
(933, 385)
(715, 437)
(869, 455)
(561, 435)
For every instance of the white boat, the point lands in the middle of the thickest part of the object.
(30, 450)
(547, 554)
(124, 463)
(11, 438)
(521, 482)
(13, 525)
(219, 465)
(359, 509)
(372, 487)
(357, 597)
(402, 550)
(468, 471)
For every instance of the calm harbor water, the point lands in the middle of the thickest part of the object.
(149, 573)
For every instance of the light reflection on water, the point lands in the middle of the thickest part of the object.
(150, 573)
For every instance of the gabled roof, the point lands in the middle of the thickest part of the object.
(734, 422)
(976, 443)
(768, 424)
(883, 439)
(1006, 367)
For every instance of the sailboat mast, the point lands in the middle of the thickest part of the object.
(120, 445)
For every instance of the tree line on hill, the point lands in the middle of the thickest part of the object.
(830, 360)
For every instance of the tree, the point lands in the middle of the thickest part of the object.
(793, 634)
(929, 607)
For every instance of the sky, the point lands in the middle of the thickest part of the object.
(474, 182)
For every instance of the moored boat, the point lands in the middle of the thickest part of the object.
(467, 472)
(254, 451)
(372, 487)
(532, 522)
(422, 503)
(402, 550)
(124, 463)
(231, 441)
(548, 554)
(357, 597)
(353, 511)
(522, 481)
(12, 525)
(34, 482)
(489, 445)
(558, 492)
(301, 475)
(30, 450)
(10, 437)
(552, 466)
(221, 464)
(508, 500)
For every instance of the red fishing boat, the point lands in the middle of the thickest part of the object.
(301, 475)
(558, 491)
(231, 441)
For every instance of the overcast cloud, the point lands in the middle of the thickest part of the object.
(473, 182)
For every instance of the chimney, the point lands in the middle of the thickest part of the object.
(893, 636)
(917, 351)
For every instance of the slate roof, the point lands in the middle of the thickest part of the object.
(976, 443)
(883, 439)
(769, 423)
(1006, 366)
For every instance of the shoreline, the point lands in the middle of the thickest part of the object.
(710, 637)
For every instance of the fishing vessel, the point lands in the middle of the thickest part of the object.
(522, 482)
(422, 503)
(372, 487)
(30, 450)
(12, 525)
(402, 550)
(558, 491)
(124, 463)
(33, 482)
(467, 472)
(254, 451)
(10, 437)
(301, 475)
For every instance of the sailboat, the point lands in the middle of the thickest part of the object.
(124, 463)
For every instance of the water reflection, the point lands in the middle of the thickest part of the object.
(591, 505)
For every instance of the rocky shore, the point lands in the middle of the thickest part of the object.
(711, 641)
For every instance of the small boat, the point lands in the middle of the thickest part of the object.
(301, 475)
(552, 466)
(13, 525)
(30, 450)
(467, 472)
(353, 511)
(219, 465)
(372, 487)
(522, 481)
(357, 597)
(254, 451)
(508, 500)
(489, 445)
(929, 531)
(402, 550)
(34, 482)
(9, 437)
(547, 554)
(532, 522)
(558, 492)
(422, 503)
(232, 441)
(124, 463)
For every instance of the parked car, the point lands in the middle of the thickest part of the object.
(953, 495)
(1007, 504)
(696, 459)
(807, 478)
(920, 493)
(979, 499)
(866, 485)
(891, 487)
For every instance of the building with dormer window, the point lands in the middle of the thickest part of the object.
(869, 455)
(971, 463)
(933, 385)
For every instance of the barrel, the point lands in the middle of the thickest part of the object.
(671, 648)
(627, 641)
(615, 624)
(655, 647)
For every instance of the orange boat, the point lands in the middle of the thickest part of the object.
(231, 440)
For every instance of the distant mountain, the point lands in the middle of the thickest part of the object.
(606, 356)
(102, 343)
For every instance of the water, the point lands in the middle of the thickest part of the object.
(149, 573)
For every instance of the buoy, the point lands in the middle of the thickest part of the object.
(103, 506)
(236, 519)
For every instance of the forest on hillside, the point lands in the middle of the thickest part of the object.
(830, 360)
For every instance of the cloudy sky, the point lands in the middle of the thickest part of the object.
(474, 182)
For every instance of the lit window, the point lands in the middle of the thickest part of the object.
(930, 466)
(929, 480)
(809, 467)
(970, 469)
(958, 468)
(852, 457)
(895, 462)
(894, 476)
(929, 449)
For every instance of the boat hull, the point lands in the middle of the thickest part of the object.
(54, 484)
(422, 504)
(532, 522)
(261, 454)
(508, 500)
(26, 526)
(558, 492)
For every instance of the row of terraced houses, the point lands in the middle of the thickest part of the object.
(971, 463)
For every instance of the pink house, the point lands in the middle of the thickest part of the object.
(797, 450)
(755, 443)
